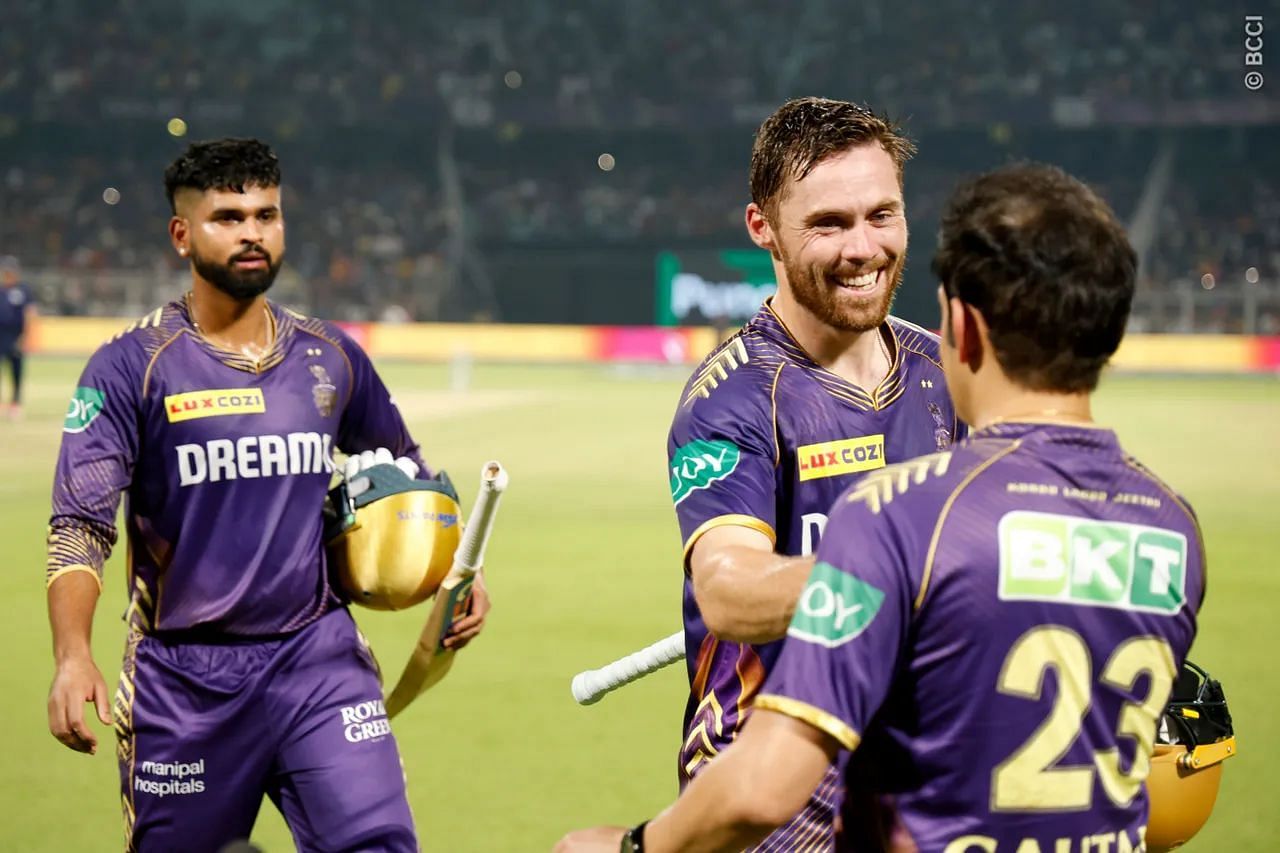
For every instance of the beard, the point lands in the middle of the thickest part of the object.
(241, 285)
(840, 307)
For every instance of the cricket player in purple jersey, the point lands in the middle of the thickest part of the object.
(818, 388)
(995, 629)
(217, 416)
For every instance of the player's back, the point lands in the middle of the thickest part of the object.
(1050, 591)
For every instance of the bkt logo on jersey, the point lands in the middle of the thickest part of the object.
(253, 456)
(213, 403)
(846, 456)
(1050, 557)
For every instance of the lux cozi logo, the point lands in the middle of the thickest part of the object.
(213, 403)
(846, 456)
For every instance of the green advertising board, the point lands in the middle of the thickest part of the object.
(700, 287)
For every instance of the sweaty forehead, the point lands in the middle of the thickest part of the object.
(190, 201)
(855, 178)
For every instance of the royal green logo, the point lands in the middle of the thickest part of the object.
(834, 608)
(700, 463)
(1048, 557)
(85, 405)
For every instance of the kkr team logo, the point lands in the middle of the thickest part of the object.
(941, 432)
(846, 456)
(834, 608)
(85, 406)
(324, 393)
(700, 463)
(214, 403)
(1050, 557)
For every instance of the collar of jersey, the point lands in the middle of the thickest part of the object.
(284, 331)
(770, 325)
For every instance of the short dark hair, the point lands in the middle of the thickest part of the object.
(805, 131)
(222, 164)
(1049, 267)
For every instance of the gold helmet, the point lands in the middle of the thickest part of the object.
(391, 546)
(1194, 738)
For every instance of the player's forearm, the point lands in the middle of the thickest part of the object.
(747, 595)
(749, 790)
(716, 812)
(72, 600)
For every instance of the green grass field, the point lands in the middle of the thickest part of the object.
(584, 566)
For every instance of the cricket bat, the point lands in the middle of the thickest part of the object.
(430, 661)
(590, 686)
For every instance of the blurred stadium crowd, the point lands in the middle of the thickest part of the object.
(436, 155)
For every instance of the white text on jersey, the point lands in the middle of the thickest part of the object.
(254, 456)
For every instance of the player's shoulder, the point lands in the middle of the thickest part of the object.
(736, 380)
(139, 342)
(916, 488)
(916, 342)
(314, 327)
(1159, 484)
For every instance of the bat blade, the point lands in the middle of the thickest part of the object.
(429, 662)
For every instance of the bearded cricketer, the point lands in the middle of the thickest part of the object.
(216, 417)
(993, 630)
(821, 387)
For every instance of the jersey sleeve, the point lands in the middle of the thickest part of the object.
(95, 463)
(721, 464)
(371, 419)
(849, 631)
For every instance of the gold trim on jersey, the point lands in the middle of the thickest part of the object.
(922, 332)
(889, 389)
(236, 361)
(927, 574)
(773, 409)
(732, 356)
(1181, 504)
(706, 750)
(147, 322)
(736, 519)
(122, 720)
(155, 356)
(816, 717)
(879, 487)
(1038, 420)
(66, 570)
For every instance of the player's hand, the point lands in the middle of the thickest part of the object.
(469, 626)
(597, 839)
(77, 681)
(357, 485)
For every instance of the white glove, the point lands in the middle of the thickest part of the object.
(357, 485)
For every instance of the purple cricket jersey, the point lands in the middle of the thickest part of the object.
(766, 438)
(225, 463)
(996, 629)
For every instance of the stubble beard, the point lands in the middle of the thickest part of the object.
(839, 307)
